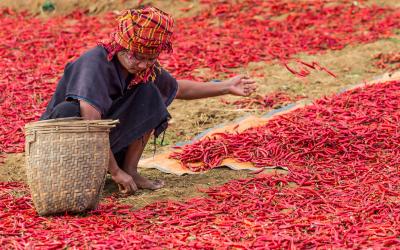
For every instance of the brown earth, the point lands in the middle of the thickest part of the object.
(354, 64)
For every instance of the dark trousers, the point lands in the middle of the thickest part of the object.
(66, 109)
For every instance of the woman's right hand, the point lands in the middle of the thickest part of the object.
(125, 182)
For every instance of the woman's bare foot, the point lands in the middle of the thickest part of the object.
(145, 183)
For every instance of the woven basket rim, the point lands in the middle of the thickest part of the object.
(73, 123)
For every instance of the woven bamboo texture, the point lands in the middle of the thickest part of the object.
(66, 163)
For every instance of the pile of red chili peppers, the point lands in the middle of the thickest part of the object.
(268, 101)
(355, 126)
(226, 35)
(342, 189)
(32, 57)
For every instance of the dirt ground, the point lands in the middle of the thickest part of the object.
(354, 64)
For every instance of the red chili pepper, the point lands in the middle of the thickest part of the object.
(305, 72)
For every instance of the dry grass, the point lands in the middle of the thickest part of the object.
(388, 3)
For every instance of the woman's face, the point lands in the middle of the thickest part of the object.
(135, 63)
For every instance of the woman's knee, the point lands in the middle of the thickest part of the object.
(66, 109)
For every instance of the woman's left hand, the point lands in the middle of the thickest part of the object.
(241, 85)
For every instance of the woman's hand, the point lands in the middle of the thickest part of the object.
(240, 85)
(125, 182)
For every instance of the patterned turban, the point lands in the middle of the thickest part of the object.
(146, 31)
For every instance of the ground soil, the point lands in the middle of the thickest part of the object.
(354, 64)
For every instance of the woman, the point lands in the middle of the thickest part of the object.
(123, 80)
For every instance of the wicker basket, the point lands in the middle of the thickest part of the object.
(66, 163)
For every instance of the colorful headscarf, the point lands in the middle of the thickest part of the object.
(146, 31)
